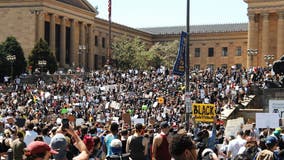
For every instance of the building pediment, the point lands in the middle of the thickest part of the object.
(82, 4)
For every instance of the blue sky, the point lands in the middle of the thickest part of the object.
(157, 13)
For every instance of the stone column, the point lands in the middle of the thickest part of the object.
(40, 23)
(72, 43)
(62, 42)
(82, 43)
(91, 45)
(52, 39)
(280, 35)
(265, 36)
(251, 38)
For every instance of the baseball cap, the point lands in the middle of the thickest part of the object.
(271, 141)
(164, 124)
(208, 153)
(59, 143)
(37, 147)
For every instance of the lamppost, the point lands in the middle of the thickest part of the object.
(42, 64)
(82, 49)
(251, 53)
(11, 59)
(268, 58)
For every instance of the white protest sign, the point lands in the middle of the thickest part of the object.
(79, 121)
(155, 104)
(276, 106)
(233, 126)
(267, 120)
(58, 121)
(138, 120)
(115, 119)
(115, 105)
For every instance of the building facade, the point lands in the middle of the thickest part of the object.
(78, 38)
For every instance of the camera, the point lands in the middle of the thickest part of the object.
(65, 123)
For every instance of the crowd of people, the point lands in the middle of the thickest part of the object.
(111, 114)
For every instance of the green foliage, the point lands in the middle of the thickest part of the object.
(132, 53)
(12, 47)
(165, 52)
(128, 52)
(41, 51)
(4, 69)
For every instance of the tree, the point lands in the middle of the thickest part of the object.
(41, 51)
(132, 53)
(165, 53)
(12, 47)
(3, 64)
(128, 52)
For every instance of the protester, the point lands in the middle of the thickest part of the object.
(58, 142)
(183, 148)
(137, 144)
(18, 146)
(30, 134)
(108, 96)
(38, 150)
(235, 145)
(108, 139)
(269, 153)
(161, 144)
(116, 149)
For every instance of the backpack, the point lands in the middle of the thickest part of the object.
(89, 142)
(4, 146)
(250, 152)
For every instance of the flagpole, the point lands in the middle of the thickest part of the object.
(109, 33)
(187, 67)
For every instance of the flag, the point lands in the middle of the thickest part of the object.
(179, 67)
(109, 8)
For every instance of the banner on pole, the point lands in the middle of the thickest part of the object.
(179, 67)
(203, 112)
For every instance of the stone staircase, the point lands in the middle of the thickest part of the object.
(228, 113)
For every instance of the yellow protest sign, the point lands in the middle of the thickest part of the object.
(161, 100)
(203, 112)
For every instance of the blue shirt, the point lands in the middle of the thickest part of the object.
(108, 140)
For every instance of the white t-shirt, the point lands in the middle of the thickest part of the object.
(235, 145)
(30, 136)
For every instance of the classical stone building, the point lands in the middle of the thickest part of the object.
(78, 38)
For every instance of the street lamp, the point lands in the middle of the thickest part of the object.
(42, 64)
(11, 59)
(82, 49)
(268, 58)
(251, 53)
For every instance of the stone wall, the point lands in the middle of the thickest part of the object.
(20, 23)
(260, 103)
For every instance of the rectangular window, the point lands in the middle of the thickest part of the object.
(225, 51)
(210, 52)
(103, 61)
(103, 42)
(96, 41)
(239, 51)
(197, 52)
